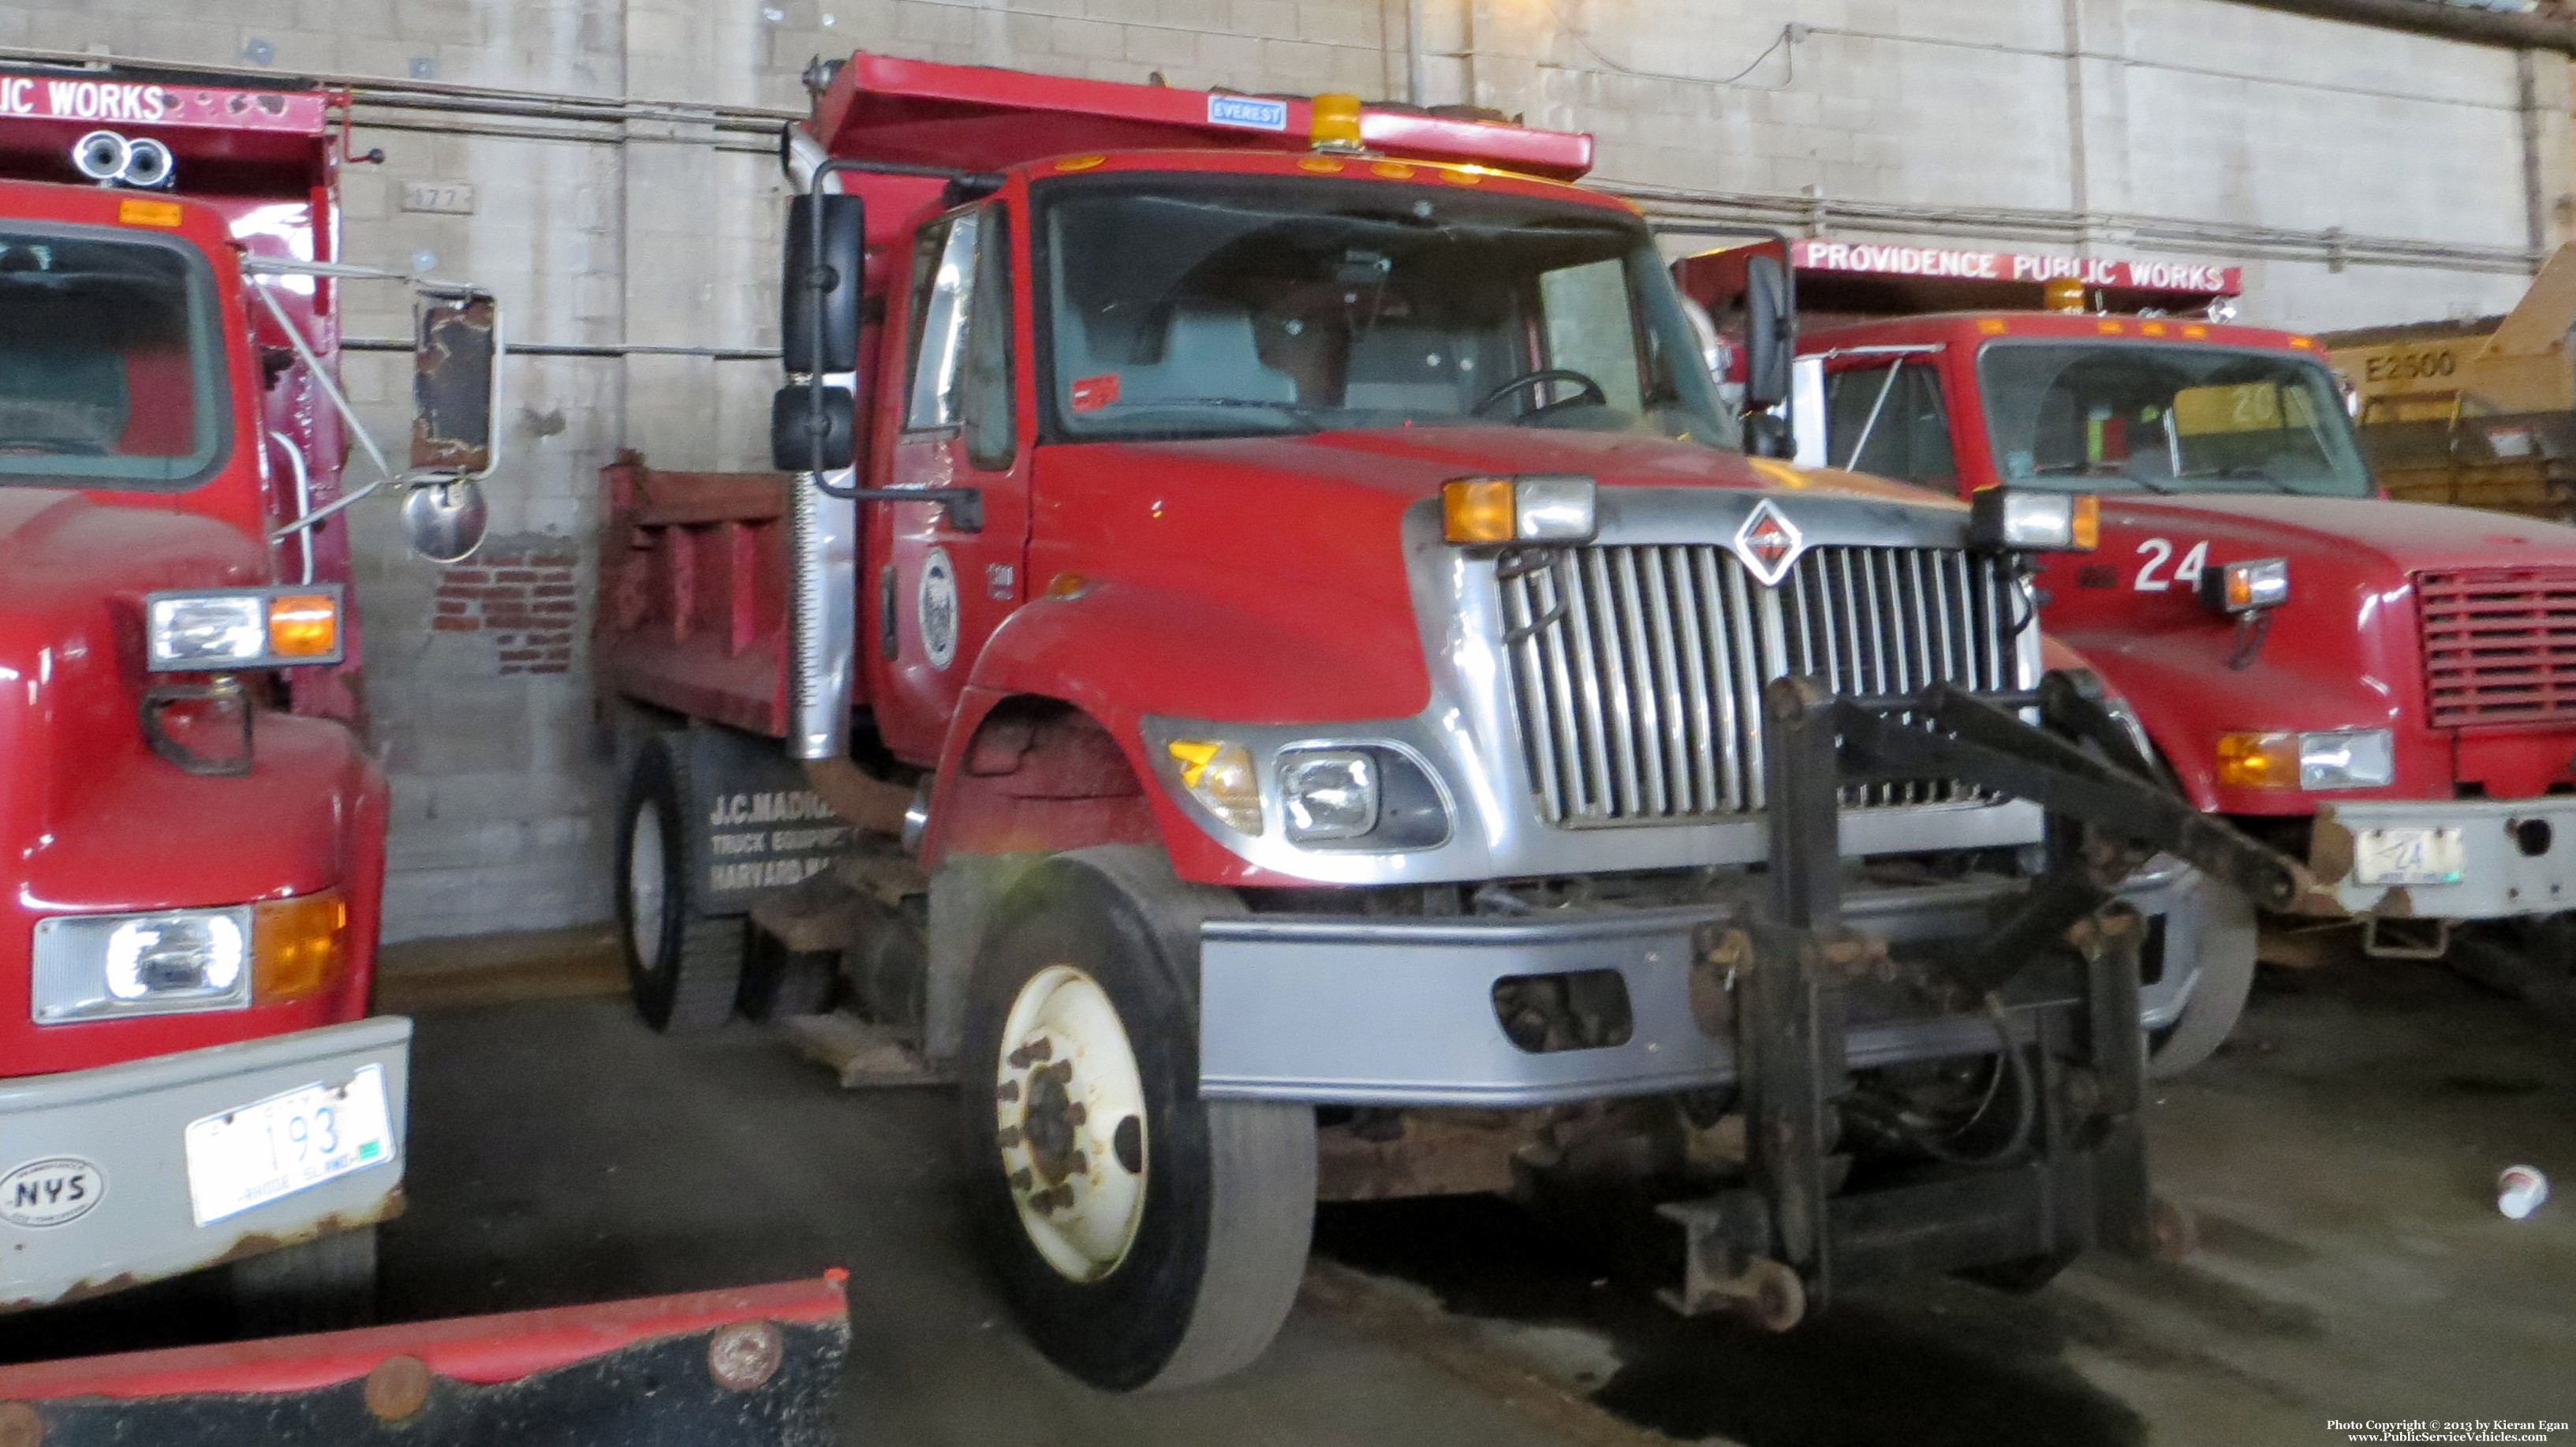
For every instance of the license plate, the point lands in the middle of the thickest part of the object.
(2407, 856)
(254, 1154)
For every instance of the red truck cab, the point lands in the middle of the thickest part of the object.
(193, 828)
(2376, 686)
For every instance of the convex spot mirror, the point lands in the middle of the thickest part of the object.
(444, 519)
(456, 380)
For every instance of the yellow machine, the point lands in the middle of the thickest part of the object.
(2479, 412)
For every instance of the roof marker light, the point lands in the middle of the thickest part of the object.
(1336, 123)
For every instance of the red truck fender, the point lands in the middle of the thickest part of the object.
(1112, 653)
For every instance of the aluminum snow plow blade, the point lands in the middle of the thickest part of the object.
(753, 1364)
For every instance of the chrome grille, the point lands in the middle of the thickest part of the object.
(1638, 670)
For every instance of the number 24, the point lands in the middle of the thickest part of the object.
(2160, 551)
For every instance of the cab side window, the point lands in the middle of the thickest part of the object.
(961, 329)
(1889, 420)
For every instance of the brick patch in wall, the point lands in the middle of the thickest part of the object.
(520, 594)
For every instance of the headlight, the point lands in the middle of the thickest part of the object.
(2022, 519)
(1328, 793)
(100, 966)
(94, 966)
(1219, 775)
(2329, 759)
(216, 630)
(2347, 759)
(2245, 587)
(1498, 511)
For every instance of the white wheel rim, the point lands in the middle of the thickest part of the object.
(1065, 1083)
(644, 884)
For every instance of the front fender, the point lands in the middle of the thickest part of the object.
(2167, 680)
(1119, 650)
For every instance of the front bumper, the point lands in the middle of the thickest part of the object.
(1400, 1012)
(127, 1122)
(2500, 874)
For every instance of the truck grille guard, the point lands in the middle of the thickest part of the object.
(2073, 1173)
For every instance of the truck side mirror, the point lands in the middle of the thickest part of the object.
(456, 383)
(1770, 341)
(818, 325)
(456, 395)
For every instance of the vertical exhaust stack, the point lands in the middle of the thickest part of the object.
(825, 536)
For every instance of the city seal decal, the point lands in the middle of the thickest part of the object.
(935, 608)
(51, 1192)
(1768, 543)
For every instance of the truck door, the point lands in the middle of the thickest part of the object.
(937, 590)
(1885, 415)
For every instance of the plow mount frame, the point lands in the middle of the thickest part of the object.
(1784, 1242)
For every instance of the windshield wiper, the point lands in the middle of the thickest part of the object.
(2077, 470)
(1298, 412)
(2247, 474)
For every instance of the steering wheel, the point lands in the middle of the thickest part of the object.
(1591, 392)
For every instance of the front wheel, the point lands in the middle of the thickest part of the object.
(2217, 934)
(1146, 1238)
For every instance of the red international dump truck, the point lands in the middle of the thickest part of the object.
(1263, 660)
(188, 1072)
(195, 832)
(2378, 688)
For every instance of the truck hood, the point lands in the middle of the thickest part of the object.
(1281, 566)
(2407, 536)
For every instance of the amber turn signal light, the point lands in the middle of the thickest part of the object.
(2258, 761)
(299, 946)
(1477, 510)
(303, 625)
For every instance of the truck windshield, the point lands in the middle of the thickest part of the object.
(111, 371)
(2167, 417)
(1190, 306)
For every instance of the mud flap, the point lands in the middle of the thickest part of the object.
(754, 1365)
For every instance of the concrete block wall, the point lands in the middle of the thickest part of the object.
(658, 232)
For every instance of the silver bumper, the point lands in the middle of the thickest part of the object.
(2498, 879)
(126, 1123)
(1400, 1012)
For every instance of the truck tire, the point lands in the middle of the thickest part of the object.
(2222, 936)
(325, 1284)
(684, 970)
(1146, 1238)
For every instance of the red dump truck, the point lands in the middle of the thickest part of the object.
(194, 828)
(1264, 661)
(189, 1076)
(2379, 688)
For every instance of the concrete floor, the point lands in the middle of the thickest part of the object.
(2339, 1157)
